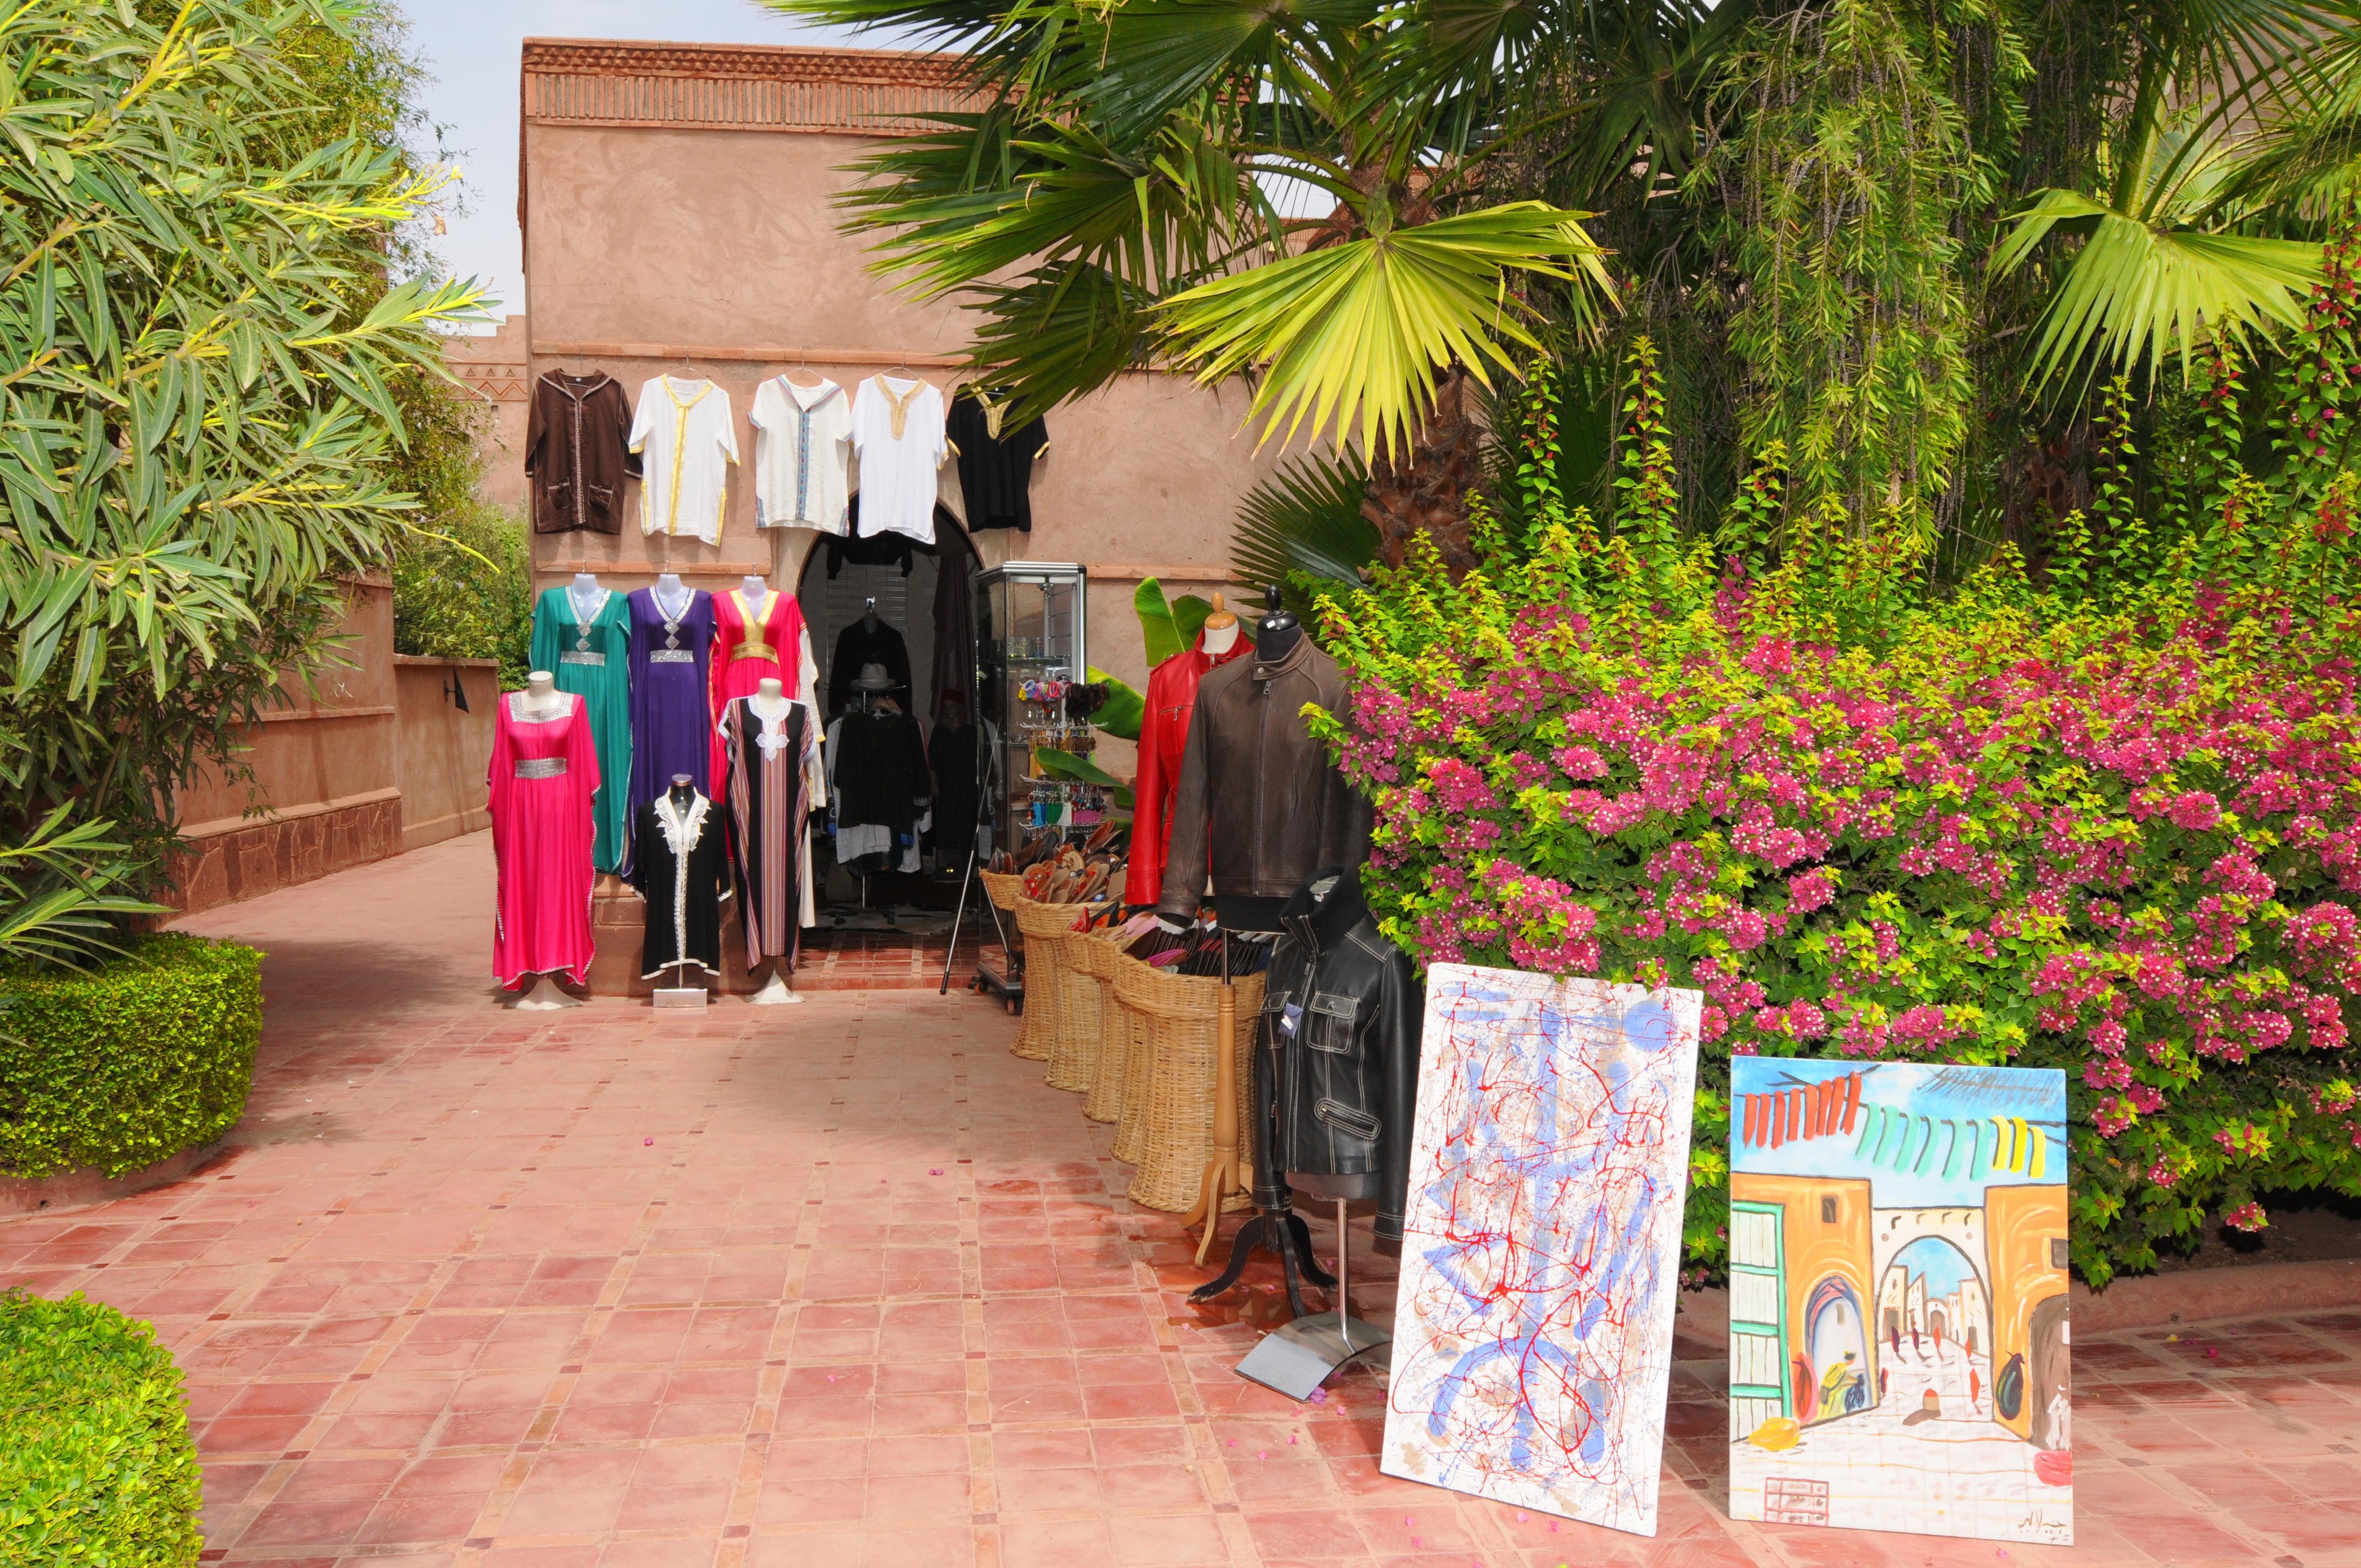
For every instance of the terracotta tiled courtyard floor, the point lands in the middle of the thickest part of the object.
(843, 1284)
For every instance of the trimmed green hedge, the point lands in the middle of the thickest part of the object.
(96, 1464)
(129, 1063)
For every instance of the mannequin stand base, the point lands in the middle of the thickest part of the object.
(1282, 1234)
(1221, 1181)
(1296, 1358)
(681, 996)
(543, 995)
(774, 993)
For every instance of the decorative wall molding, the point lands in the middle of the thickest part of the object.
(753, 87)
(495, 381)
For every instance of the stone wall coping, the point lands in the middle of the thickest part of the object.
(438, 661)
(767, 63)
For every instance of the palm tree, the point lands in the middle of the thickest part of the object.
(2238, 130)
(1111, 205)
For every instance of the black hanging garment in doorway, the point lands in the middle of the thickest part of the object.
(953, 755)
(877, 770)
(955, 674)
(680, 866)
(996, 463)
(887, 549)
(859, 644)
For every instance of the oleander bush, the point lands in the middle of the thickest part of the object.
(2108, 820)
(96, 1464)
(129, 1063)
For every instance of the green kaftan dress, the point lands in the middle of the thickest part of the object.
(593, 658)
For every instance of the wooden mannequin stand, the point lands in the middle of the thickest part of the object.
(1276, 1229)
(1223, 1176)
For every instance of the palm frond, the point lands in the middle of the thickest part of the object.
(2137, 292)
(1059, 332)
(1348, 339)
(1302, 524)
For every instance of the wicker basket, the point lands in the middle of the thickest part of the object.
(1182, 1013)
(1003, 888)
(1038, 1029)
(1094, 957)
(1070, 1021)
(1130, 1025)
(1074, 1049)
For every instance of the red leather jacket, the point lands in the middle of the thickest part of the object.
(1170, 698)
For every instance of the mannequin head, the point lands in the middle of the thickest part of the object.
(771, 688)
(869, 615)
(1220, 631)
(1276, 638)
(684, 789)
(540, 683)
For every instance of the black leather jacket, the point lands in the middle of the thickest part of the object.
(1337, 1077)
(1259, 802)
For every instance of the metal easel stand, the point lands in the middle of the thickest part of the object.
(1297, 1357)
(967, 880)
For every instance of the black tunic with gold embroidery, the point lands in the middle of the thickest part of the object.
(680, 864)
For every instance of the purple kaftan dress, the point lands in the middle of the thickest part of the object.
(671, 716)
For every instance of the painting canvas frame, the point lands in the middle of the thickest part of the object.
(1542, 1240)
(1898, 1299)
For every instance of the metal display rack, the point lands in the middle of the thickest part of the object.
(1032, 637)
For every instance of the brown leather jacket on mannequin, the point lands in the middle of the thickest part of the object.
(1260, 804)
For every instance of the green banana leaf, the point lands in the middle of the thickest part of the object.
(1059, 765)
(1157, 626)
(1124, 710)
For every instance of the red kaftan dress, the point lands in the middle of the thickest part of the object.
(749, 650)
(543, 775)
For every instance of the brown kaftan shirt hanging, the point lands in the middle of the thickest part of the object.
(577, 452)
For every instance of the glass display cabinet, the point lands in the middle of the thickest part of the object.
(1032, 647)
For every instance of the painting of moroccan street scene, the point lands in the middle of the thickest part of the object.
(1898, 1337)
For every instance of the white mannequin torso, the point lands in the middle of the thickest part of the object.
(540, 700)
(757, 594)
(587, 596)
(770, 701)
(672, 596)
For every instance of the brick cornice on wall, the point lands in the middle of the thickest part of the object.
(580, 82)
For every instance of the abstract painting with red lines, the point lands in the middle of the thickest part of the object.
(1541, 1253)
(1898, 1335)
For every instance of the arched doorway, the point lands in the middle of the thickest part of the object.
(1937, 1342)
(891, 599)
(1834, 1334)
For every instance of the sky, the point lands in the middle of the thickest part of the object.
(471, 48)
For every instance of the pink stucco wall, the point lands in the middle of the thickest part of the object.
(642, 239)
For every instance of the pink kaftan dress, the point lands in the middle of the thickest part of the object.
(749, 650)
(543, 775)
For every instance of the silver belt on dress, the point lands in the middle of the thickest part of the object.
(574, 656)
(671, 656)
(541, 768)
